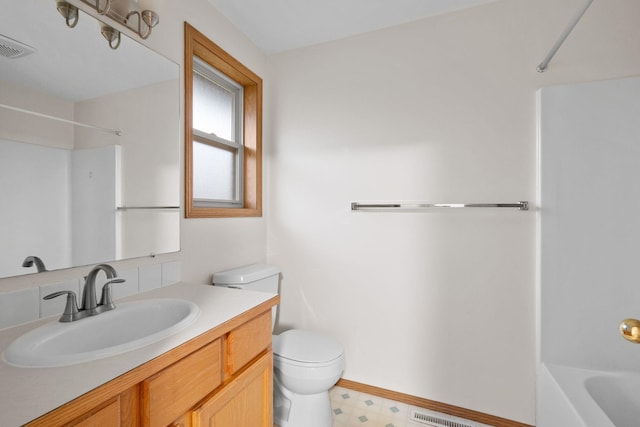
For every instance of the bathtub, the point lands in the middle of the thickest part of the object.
(573, 397)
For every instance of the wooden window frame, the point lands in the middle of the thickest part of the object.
(196, 43)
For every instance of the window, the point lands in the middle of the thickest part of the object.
(217, 162)
(223, 132)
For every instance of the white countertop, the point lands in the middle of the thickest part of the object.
(27, 393)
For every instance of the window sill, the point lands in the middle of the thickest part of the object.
(222, 212)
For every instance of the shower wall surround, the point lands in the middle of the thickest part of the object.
(69, 216)
(42, 172)
(590, 198)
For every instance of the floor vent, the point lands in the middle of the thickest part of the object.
(10, 48)
(435, 421)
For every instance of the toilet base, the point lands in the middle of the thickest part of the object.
(300, 410)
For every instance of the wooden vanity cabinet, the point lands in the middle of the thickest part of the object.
(119, 410)
(245, 343)
(222, 378)
(176, 389)
(245, 382)
(107, 416)
(116, 412)
(244, 402)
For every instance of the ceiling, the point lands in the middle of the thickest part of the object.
(278, 25)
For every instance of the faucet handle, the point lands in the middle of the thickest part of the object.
(106, 300)
(71, 308)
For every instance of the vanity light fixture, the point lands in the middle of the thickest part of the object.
(122, 13)
(106, 9)
(69, 12)
(111, 35)
(149, 17)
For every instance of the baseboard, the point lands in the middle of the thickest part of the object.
(444, 408)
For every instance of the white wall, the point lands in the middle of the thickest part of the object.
(438, 305)
(590, 232)
(16, 126)
(150, 166)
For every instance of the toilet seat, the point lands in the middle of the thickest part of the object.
(305, 348)
(281, 362)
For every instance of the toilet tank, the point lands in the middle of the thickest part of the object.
(255, 277)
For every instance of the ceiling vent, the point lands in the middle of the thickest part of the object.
(10, 48)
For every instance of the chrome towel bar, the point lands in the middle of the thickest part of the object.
(129, 208)
(357, 206)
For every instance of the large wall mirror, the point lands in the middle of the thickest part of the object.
(89, 144)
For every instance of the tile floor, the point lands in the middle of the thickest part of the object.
(352, 408)
(356, 409)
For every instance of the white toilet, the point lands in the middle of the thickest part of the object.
(306, 364)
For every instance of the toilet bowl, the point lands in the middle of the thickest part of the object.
(305, 364)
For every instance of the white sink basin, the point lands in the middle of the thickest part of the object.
(130, 326)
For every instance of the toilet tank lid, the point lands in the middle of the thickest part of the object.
(246, 274)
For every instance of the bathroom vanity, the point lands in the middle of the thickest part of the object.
(216, 371)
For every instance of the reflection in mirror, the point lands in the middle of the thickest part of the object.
(89, 147)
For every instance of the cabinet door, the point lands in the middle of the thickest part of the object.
(243, 344)
(247, 401)
(108, 416)
(118, 411)
(175, 390)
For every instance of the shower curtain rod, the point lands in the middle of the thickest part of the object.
(543, 65)
(358, 206)
(46, 116)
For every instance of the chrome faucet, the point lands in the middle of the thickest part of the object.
(31, 260)
(90, 306)
(89, 300)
